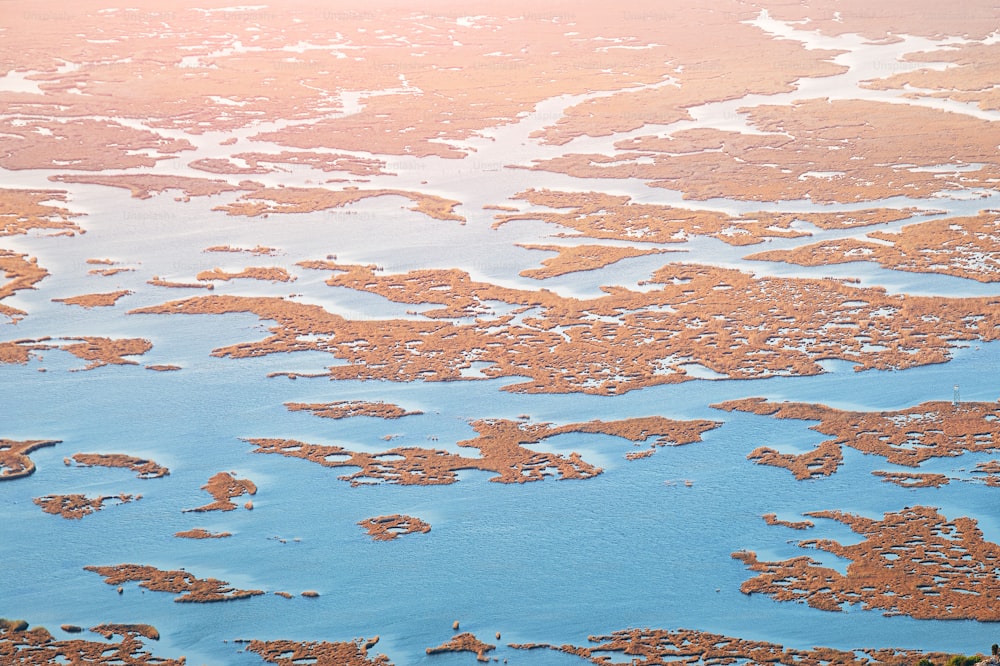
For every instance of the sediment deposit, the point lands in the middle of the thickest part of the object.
(912, 562)
(687, 646)
(14, 460)
(94, 300)
(21, 272)
(76, 506)
(37, 647)
(224, 487)
(605, 216)
(190, 588)
(22, 211)
(265, 273)
(292, 653)
(966, 247)
(733, 323)
(797, 154)
(903, 437)
(200, 533)
(465, 642)
(343, 409)
(387, 528)
(144, 469)
(501, 444)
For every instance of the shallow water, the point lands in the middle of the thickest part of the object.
(646, 543)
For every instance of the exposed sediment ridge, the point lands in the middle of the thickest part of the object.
(387, 528)
(965, 247)
(76, 506)
(88, 301)
(798, 154)
(14, 460)
(260, 163)
(465, 642)
(733, 323)
(264, 273)
(268, 200)
(21, 272)
(687, 646)
(144, 186)
(144, 469)
(190, 588)
(501, 444)
(224, 487)
(22, 211)
(572, 258)
(293, 653)
(201, 533)
(903, 437)
(99, 351)
(614, 217)
(913, 562)
(37, 647)
(343, 409)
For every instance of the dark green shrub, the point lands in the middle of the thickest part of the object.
(962, 660)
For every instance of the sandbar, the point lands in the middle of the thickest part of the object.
(257, 250)
(772, 519)
(268, 200)
(573, 258)
(913, 479)
(144, 186)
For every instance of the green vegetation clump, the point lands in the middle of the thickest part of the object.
(962, 660)
(956, 660)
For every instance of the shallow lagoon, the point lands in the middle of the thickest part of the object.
(540, 562)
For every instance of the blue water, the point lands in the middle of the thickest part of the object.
(540, 562)
(646, 543)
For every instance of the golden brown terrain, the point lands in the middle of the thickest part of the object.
(224, 487)
(733, 323)
(37, 647)
(904, 437)
(387, 528)
(501, 444)
(190, 588)
(913, 562)
(313, 100)
(76, 506)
